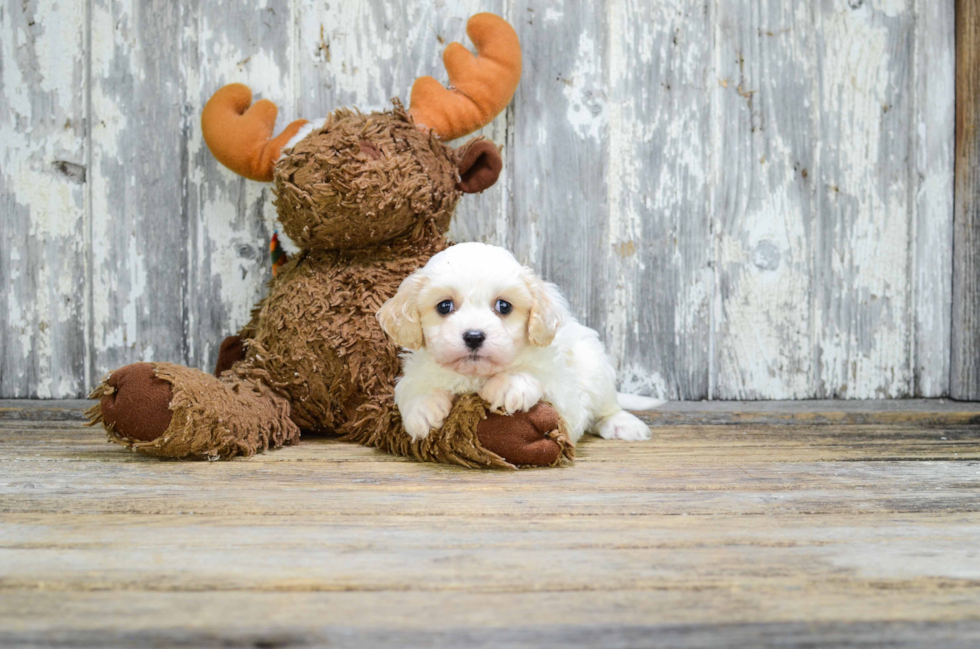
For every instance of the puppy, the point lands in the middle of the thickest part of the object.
(476, 320)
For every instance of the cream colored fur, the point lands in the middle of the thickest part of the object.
(536, 351)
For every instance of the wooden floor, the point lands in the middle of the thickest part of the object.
(807, 525)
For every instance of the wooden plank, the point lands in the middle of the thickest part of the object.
(43, 199)
(887, 617)
(763, 201)
(230, 219)
(139, 226)
(656, 264)
(965, 350)
(692, 471)
(801, 442)
(863, 190)
(935, 113)
(559, 216)
(401, 554)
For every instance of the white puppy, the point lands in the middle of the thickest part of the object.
(476, 320)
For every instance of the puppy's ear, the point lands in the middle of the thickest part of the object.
(548, 310)
(400, 317)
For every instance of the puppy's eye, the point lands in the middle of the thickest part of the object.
(503, 307)
(445, 307)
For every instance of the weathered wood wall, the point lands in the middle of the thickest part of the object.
(749, 199)
(965, 353)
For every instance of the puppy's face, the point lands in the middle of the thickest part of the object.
(474, 308)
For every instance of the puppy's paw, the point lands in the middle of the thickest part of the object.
(623, 426)
(426, 413)
(511, 392)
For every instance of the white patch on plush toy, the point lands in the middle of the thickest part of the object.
(305, 130)
(272, 224)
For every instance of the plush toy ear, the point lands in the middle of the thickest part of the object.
(479, 167)
(548, 310)
(400, 317)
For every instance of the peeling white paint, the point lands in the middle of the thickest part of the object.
(584, 90)
(41, 148)
(640, 381)
(833, 284)
(871, 211)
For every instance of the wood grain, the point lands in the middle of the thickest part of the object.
(862, 240)
(784, 534)
(43, 200)
(763, 201)
(749, 200)
(965, 352)
(136, 180)
(659, 225)
(933, 75)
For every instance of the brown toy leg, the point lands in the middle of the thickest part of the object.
(231, 351)
(531, 438)
(172, 411)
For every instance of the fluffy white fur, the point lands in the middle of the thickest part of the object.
(537, 351)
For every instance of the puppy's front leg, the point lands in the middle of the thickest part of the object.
(422, 414)
(511, 392)
(422, 406)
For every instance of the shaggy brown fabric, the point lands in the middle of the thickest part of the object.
(231, 351)
(134, 400)
(211, 418)
(368, 198)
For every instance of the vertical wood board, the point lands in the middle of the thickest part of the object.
(43, 211)
(765, 149)
(139, 230)
(861, 242)
(965, 347)
(657, 266)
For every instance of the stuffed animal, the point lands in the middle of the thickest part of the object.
(367, 199)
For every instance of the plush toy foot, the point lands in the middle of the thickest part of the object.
(172, 411)
(231, 351)
(135, 403)
(532, 438)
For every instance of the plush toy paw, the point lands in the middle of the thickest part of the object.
(137, 403)
(426, 413)
(511, 392)
(623, 426)
(524, 438)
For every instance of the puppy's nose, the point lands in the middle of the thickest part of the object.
(474, 339)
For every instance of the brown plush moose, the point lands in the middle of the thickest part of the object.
(367, 199)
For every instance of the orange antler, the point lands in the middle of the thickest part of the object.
(239, 133)
(479, 86)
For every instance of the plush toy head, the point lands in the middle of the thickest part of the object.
(358, 180)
